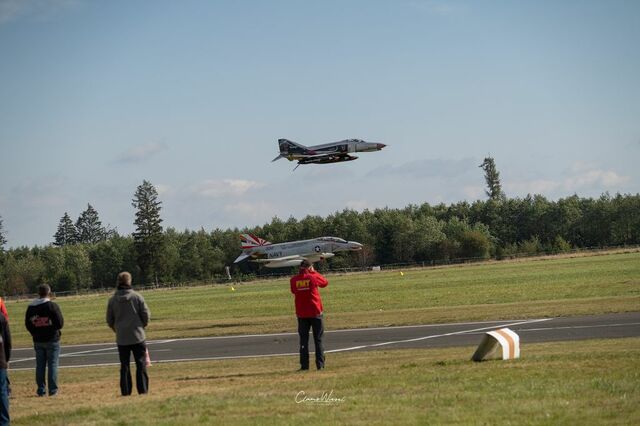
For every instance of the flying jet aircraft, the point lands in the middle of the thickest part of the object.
(292, 253)
(334, 152)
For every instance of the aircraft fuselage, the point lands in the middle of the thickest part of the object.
(292, 253)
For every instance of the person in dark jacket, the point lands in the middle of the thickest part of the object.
(5, 356)
(44, 321)
(128, 315)
(304, 287)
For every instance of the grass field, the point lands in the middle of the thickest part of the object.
(556, 286)
(582, 382)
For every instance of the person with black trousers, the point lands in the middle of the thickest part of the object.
(128, 315)
(309, 310)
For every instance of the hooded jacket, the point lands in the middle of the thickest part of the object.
(128, 315)
(304, 287)
(44, 320)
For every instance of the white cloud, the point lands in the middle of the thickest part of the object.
(536, 186)
(225, 187)
(140, 153)
(582, 178)
(606, 179)
(43, 10)
(581, 166)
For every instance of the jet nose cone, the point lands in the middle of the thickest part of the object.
(380, 146)
(354, 245)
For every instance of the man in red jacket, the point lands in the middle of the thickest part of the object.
(304, 287)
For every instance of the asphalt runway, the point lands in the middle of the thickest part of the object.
(414, 336)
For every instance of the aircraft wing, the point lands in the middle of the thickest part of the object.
(279, 259)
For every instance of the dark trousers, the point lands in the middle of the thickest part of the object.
(304, 324)
(139, 351)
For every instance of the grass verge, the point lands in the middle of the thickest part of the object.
(580, 382)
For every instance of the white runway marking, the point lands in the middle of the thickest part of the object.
(578, 326)
(433, 336)
(93, 352)
(350, 330)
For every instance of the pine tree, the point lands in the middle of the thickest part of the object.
(89, 228)
(3, 239)
(492, 177)
(148, 237)
(66, 233)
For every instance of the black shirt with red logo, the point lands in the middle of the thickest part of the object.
(44, 320)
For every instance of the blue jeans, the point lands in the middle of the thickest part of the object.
(47, 357)
(4, 398)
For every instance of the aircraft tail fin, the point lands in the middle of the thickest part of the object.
(248, 241)
(289, 147)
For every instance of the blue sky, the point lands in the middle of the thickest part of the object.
(96, 96)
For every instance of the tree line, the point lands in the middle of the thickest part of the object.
(86, 255)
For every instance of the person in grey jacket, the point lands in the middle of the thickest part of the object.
(128, 315)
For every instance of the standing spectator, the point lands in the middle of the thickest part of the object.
(44, 321)
(304, 287)
(128, 315)
(5, 355)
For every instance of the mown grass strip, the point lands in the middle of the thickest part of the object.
(580, 382)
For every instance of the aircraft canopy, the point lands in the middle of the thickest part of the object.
(332, 239)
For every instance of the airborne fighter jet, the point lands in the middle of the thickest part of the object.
(334, 152)
(292, 253)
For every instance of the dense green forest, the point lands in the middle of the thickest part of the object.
(85, 255)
